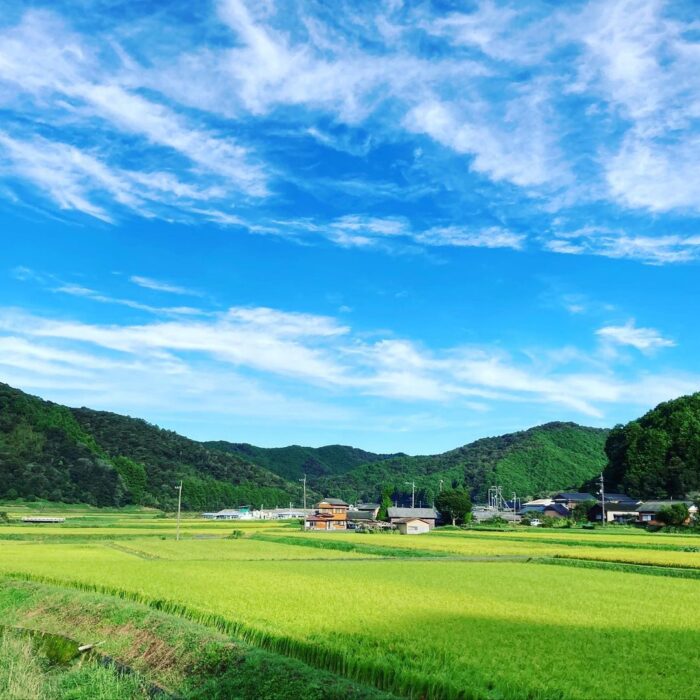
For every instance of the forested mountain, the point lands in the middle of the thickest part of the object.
(658, 455)
(555, 456)
(79, 455)
(294, 461)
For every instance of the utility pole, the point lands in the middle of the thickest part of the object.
(412, 484)
(179, 507)
(602, 497)
(304, 482)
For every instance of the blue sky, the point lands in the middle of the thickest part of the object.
(401, 226)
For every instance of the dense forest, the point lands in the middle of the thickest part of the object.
(658, 455)
(48, 451)
(555, 456)
(294, 461)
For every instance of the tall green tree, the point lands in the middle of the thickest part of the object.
(385, 504)
(454, 504)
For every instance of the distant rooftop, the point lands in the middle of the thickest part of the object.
(656, 506)
(574, 496)
(429, 513)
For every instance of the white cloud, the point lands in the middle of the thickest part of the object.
(519, 148)
(646, 65)
(355, 231)
(304, 351)
(159, 286)
(460, 237)
(643, 339)
(652, 250)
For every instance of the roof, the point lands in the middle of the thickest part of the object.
(322, 518)
(620, 498)
(367, 506)
(535, 508)
(411, 520)
(624, 507)
(333, 502)
(574, 496)
(557, 508)
(360, 515)
(656, 506)
(539, 502)
(429, 513)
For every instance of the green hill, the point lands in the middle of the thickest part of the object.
(294, 461)
(658, 455)
(555, 456)
(52, 452)
(57, 453)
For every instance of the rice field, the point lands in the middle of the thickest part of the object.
(445, 625)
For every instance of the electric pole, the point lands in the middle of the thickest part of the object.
(412, 484)
(602, 497)
(179, 507)
(304, 482)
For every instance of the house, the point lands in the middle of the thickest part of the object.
(537, 502)
(229, 514)
(361, 516)
(330, 514)
(620, 498)
(288, 513)
(621, 512)
(428, 514)
(412, 526)
(571, 500)
(649, 510)
(556, 510)
(372, 508)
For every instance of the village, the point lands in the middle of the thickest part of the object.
(336, 515)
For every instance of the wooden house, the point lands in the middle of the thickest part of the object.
(329, 514)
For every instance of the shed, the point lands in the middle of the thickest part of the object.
(427, 514)
(412, 526)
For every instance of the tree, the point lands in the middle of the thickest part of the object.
(454, 504)
(675, 515)
(385, 504)
(580, 510)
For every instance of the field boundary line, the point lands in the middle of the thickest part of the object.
(391, 680)
(623, 567)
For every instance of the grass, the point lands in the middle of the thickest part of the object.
(25, 673)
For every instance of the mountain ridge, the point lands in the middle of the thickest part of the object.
(59, 453)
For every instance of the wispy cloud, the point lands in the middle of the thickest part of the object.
(277, 346)
(643, 339)
(508, 112)
(160, 286)
(618, 244)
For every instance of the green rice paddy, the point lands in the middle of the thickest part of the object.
(476, 615)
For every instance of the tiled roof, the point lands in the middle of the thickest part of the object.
(429, 513)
